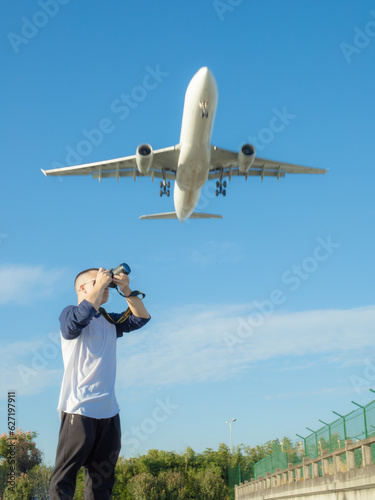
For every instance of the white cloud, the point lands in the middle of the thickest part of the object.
(214, 343)
(305, 394)
(24, 284)
(28, 367)
(202, 343)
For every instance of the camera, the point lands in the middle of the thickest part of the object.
(122, 268)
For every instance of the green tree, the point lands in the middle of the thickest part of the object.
(26, 453)
(143, 487)
(22, 489)
(125, 470)
(208, 484)
(20, 450)
(34, 485)
(172, 486)
(40, 478)
(292, 450)
(79, 493)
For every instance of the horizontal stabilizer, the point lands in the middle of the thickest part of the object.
(173, 215)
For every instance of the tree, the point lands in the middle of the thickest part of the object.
(143, 487)
(22, 489)
(293, 451)
(17, 450)
(40, 478)
(208, 484)
(21, 445)
(172, 486)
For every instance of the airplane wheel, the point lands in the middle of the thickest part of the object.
(225, 184)
(161, 193)
(217, 192)
(161, 184)
(224, 192)
(217, 184)
(168, 184)
(168, 193)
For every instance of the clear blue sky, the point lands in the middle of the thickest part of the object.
(267, 315)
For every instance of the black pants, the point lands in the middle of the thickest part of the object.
(90, 443)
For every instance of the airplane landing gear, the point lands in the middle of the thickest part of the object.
(164, 188)
(220, 188)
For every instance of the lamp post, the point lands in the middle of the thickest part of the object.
(230, 431)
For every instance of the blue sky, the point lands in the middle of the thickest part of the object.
(266, 315)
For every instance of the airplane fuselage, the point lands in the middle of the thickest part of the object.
(191, 162)
(195, 142)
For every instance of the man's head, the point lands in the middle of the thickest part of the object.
(85, 282)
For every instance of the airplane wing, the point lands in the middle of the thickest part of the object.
(164, 166)
(224, 163)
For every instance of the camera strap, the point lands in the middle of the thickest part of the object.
(122, 319)
(126, 314)
(135, 293)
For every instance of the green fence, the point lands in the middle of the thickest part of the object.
(357, 425)
(277, 459)
(237, 475)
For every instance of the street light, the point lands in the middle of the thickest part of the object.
(230, 431)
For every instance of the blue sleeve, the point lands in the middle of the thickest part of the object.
(73, 319)
(131, 323)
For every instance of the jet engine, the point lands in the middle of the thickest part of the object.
(144, 157)
(246, 157)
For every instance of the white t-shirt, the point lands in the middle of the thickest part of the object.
(90, 371)
(88, 343)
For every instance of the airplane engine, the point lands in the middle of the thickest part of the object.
(246, 157)
(144, 157)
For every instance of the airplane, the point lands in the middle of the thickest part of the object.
(192, 162)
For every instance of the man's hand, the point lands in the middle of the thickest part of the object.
(103, 278)
(98, 294)
(122, 281)
(135, 304)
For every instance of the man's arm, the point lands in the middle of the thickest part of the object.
(102, 280)
(73, 319)
(135, 303)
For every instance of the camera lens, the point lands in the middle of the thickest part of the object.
(122, 268)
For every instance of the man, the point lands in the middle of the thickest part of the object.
(90, 434)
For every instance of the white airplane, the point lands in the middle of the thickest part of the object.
(191, 162)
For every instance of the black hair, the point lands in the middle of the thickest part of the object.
(84, 272)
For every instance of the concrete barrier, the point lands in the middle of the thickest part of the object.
(332, 476)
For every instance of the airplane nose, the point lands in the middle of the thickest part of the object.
(205, 74)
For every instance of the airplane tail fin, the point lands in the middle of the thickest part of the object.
(173, 215)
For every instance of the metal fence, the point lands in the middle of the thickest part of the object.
(357, 425)
(278, 458)
(237, 475)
